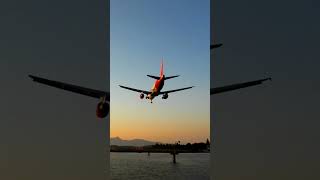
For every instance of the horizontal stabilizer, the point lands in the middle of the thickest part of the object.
(215, 46)
(154, 77)
(169, 77)
(236, 86)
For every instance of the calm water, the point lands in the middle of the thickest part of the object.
(140, 166)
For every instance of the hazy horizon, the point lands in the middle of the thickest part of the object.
(113, 137)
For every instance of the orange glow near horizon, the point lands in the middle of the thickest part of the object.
(158, 126)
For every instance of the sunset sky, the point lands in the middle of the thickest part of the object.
(141, 34)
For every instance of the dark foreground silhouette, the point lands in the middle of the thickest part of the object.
(165, 148)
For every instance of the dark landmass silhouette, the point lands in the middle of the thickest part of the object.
(117, 141)
(140, 145)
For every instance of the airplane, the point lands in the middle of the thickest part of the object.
(103, 107)
(234, 86)
(157, 87)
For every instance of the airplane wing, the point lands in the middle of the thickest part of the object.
(137, 90)
(236, 86)
(73, 88)
(175, 90)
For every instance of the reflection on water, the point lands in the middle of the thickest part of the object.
(140, 166)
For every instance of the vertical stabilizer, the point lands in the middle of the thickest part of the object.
(161, 68)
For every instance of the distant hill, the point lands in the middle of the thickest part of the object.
(134, 142)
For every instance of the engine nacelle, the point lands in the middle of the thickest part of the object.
(141, 96)
(165, 96)
(103, 109)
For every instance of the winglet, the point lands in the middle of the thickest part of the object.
(266, 79)
(32, 77)
(35, 78)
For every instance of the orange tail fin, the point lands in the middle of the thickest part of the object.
(161, 68)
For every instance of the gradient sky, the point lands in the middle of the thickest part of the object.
(142, 32)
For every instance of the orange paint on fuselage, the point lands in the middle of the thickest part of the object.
(158, 84)
(156, 88)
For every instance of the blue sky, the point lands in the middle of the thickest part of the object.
(141, 34)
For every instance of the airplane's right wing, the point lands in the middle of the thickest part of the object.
(236, 86)
(73, 88)
(137, 90)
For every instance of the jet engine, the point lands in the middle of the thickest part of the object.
(102, 109)
(165, 96)
(141, 96)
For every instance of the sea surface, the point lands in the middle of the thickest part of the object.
(140, 166)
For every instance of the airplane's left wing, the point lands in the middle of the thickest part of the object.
(137, 90)
(73, 88)
(175, 90)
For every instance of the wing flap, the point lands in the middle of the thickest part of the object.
(73, 88)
